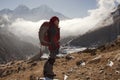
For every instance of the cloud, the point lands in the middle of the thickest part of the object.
(26, 28)
(72, 27)
(4, 21)
(118, 1)
(101, 16)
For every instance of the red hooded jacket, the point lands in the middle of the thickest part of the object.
(53, 34)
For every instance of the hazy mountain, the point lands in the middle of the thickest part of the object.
(96, 38)
(12, 48)
(102, 35)
(66, 40)
(35, 14)
(6, 11)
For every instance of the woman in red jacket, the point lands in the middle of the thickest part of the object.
(53, 37)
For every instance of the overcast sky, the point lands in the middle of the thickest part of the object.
(70, 8)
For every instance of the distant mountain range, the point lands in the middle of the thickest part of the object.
(97, 38)
(35, 14)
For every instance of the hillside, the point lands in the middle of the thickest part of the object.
(103, 65)
(97, 37)
(106, 31)
(12, 48)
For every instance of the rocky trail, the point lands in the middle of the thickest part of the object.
(102, 63)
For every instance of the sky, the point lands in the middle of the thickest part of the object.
(69, 8)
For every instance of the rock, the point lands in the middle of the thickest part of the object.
(117, 72)
(101, 71)
(81, 62)
(33, 64)
(1, 72)
(87, 78)
(65, 77)
(70, 70)
(46, 78)
(69, 57)
(117, 57)
(82, 73)
(32, 77)
(23, 68)
(110, 74)
(19, 68)
(10, 63)
(95, 60)
(118, 68)
(110, 63)
(37, 78)
(5, 73)
(75, 68)
(92, 51)
(102, 48)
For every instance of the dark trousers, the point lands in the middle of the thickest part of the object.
(48, 67)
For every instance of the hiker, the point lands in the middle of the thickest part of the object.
(52, 41)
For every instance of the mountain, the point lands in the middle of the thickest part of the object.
(6, 11)
(12, 48)
(35, 14)
(66, 40)
(101, 36)
(97, 37)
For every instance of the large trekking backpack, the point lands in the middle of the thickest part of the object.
(43, 34)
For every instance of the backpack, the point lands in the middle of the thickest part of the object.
(43, 34)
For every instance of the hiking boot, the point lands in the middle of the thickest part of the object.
(51, 76)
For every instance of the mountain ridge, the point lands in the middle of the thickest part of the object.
(34, 14)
